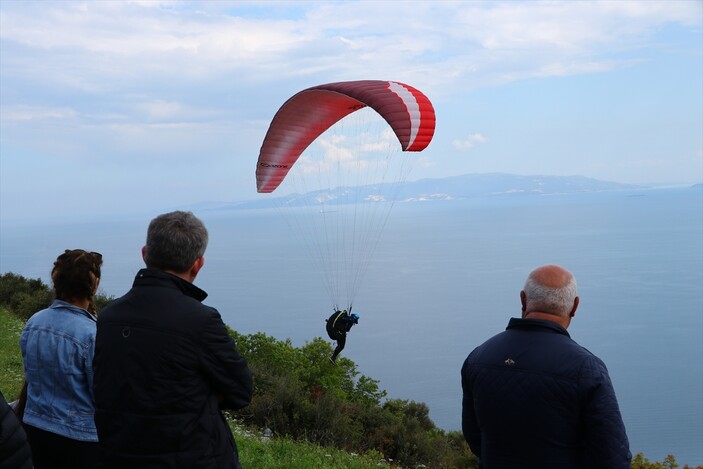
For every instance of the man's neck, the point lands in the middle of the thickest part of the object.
(182, 275)
(562, 321)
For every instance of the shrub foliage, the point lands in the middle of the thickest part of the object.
(300, 394)
(24, 297)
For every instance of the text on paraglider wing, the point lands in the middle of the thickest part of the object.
(269, 165)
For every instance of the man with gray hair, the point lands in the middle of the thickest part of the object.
(165, 365)
(534, 398)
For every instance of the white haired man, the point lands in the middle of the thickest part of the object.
(534, 398)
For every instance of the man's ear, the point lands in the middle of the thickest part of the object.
(523, 301)
(144, 253)
(197, 265)
(573, 310)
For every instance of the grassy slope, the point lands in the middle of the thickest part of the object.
(253, 450)
(284, 452)
(11, 374)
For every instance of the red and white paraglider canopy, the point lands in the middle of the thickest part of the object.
(309, 113)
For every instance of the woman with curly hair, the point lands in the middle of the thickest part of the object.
(58, 344)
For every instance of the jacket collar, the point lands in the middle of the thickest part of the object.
(150, 277)
(73, 308)
(541, 325)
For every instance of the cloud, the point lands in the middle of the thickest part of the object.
(137, 84)
(439, 43)
(162, 109)
(469, 142)
(188, 51)
(34, 113)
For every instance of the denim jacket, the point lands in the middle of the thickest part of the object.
(58, 344)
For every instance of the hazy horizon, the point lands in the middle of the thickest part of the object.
(209, 205)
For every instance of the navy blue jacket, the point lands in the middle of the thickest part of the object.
(14, 448)
(534, 398)
(164, 367)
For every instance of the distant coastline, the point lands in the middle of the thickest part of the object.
(449, 189)
(444, 189)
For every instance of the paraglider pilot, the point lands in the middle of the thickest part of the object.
(338, 325)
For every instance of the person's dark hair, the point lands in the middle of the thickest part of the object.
(74, 274)
(174, 241)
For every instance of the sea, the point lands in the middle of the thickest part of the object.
(446, 276)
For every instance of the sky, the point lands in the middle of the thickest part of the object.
(136, 106)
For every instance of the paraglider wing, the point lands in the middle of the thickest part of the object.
(311, 112)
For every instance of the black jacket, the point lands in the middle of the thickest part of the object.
(534, 398)
(14, 449)
(339, 324)
(164, 367)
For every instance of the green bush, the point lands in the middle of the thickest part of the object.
(101, 300)
(24, 297)
(298, 393)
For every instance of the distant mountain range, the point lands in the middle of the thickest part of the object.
(476, 185)
(443, 189)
